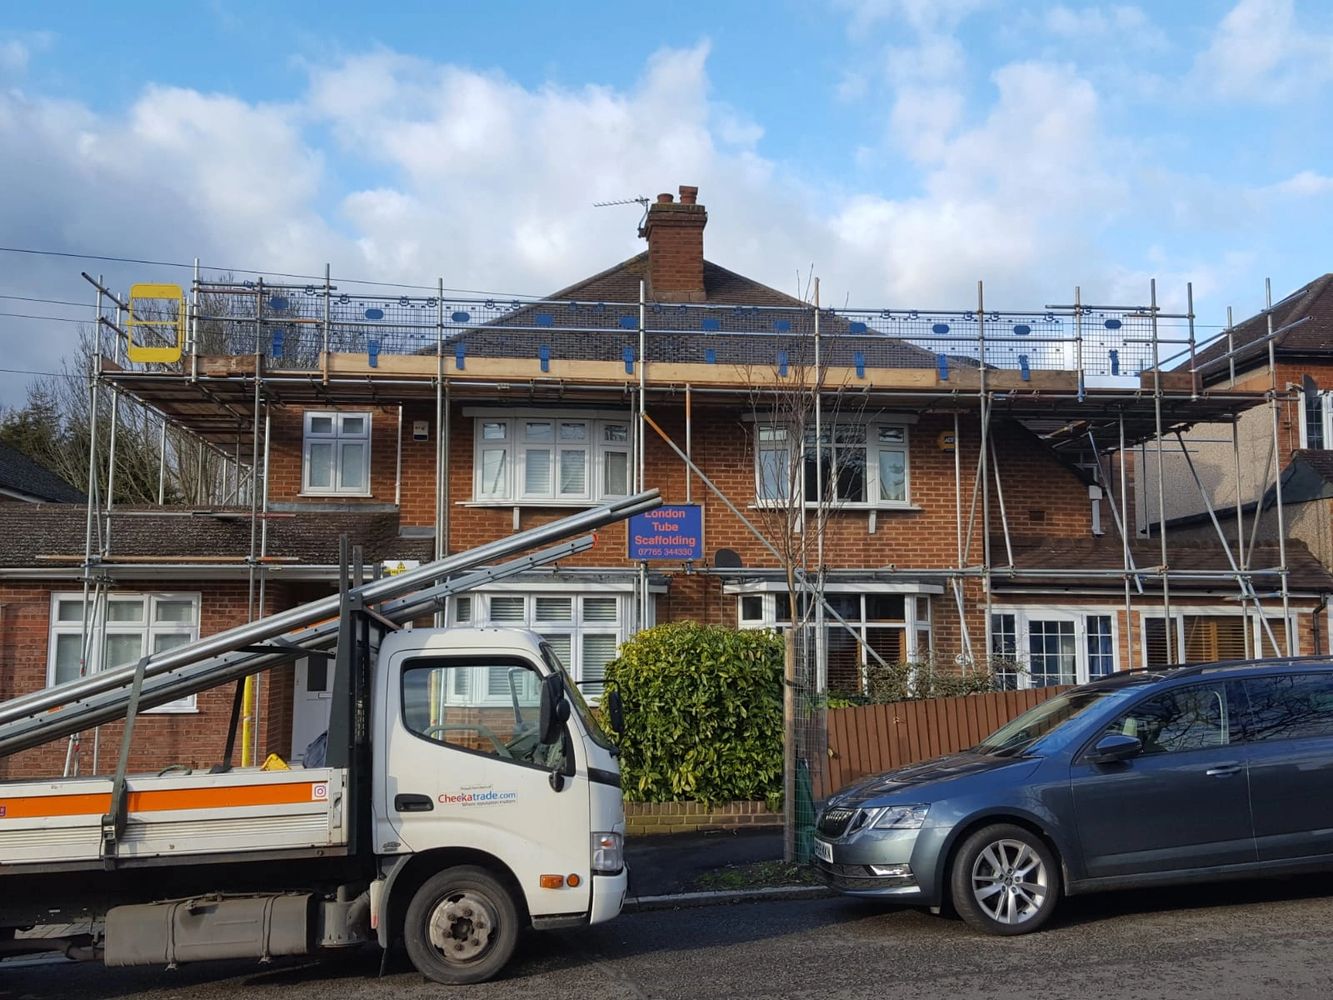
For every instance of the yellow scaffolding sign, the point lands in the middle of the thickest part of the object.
(169, 324)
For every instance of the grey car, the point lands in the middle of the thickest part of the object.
(1144, 778)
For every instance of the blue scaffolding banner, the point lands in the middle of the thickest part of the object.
(672, 532)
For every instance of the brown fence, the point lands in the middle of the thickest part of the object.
(874, 738)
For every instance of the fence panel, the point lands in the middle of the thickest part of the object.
(869, 738)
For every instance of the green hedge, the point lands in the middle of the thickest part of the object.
(703, 713)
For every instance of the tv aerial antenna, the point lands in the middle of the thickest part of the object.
(642, 201)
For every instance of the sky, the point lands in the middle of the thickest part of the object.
(900, 150)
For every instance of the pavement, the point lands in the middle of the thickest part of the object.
(664, 865)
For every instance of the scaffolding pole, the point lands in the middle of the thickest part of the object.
(1279, 458)
(1161, 475)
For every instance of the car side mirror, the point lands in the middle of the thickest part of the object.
(1114, 747)
(615, 712)
(554, 709)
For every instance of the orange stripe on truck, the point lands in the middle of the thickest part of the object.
(164, 799)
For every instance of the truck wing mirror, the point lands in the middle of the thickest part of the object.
(554, 710)
(615, 712)
(1114, 747)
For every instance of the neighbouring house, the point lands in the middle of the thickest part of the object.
(421, 425)
(25, 480)
(1286, 351)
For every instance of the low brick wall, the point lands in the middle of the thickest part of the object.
(647, 818)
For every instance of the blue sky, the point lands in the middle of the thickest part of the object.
(903, 149)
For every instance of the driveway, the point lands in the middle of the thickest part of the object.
(1252, 940)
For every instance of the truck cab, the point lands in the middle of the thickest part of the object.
(489, 761)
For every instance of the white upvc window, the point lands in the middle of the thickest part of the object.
(335, 458)
(135, 625)
(1203, 635)
(546, 457)
(889, 626)
(1317, 420)
(1044, 646)
(584, 630)
(858, 464)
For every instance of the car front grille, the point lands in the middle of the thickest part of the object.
(859, 878)
(834, 822)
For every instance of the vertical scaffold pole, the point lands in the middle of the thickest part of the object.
(821, 517)
(1279, 456)
(957, 581)
(643, 383)
(984, 465)
(1168, 625)
(1124, 545)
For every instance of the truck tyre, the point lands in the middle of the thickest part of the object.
(1005, 880)
(461, 926)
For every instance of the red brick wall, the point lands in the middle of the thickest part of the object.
(195, 739)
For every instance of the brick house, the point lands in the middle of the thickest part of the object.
(421, 427)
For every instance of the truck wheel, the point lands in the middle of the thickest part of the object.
(1005, 880)
(461, 926)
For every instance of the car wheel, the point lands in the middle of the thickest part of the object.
(461, 926)
(1005, 880)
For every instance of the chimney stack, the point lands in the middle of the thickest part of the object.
(675, 234)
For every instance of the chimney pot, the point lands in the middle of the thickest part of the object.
(665, 199)
(688, 194)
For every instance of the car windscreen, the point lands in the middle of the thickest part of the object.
(1045, 719)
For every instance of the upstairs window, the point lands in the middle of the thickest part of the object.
(857, 464)
(336, 455)
(1317, 420)
(534, 457)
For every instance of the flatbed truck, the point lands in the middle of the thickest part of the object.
(467, 791)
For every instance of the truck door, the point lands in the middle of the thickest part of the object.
(464, 768)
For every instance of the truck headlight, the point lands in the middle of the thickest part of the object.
(901, 817)
(608, 853)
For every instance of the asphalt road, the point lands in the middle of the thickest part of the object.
(1252, 941)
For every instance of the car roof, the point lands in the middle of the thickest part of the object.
(1255, 667)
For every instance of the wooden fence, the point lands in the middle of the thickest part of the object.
(874, 738)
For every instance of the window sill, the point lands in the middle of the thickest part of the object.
(505, 504)
(341, 495)
(908, 508)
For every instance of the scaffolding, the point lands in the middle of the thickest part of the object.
(1092, 381)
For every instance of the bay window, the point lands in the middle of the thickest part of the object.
(584, 630)
(1045, 646)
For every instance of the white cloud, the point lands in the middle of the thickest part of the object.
(1118, 24)
(13, 58)
(1306, 184)
(921, 15)
(1260, 53)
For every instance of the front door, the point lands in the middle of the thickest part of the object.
(311, 698)
(1182, 803)
(464, 768)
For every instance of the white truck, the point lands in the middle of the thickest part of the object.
(467, 791)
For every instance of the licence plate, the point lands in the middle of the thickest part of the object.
(823, 851)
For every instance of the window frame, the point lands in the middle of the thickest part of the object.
(1258, 647)
(912, 626)
(146, 627)
(1080, 615)
(595, 445)
(577, 627)
(1325, 408)
(337, 438)
(796, 452)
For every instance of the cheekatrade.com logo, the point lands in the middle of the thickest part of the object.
(477, 797)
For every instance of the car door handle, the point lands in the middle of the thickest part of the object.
(413, 803)
(1223, 770)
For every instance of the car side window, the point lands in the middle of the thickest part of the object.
(1288, 707)
(491, 708)
(1191, 718)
